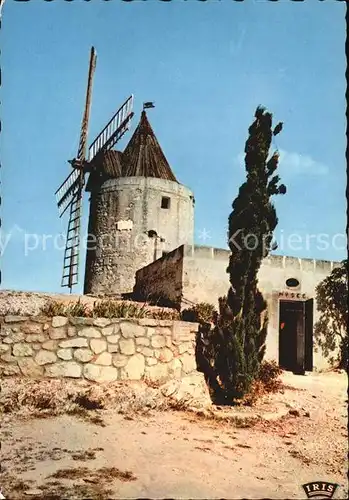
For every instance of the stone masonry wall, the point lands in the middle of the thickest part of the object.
(100, 350)
(162, 279)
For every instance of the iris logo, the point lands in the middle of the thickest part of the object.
(320, 489)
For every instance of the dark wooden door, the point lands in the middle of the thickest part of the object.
(309, 322)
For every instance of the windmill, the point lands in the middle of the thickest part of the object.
(70, 192)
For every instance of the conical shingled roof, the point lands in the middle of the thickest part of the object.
(106, 165)
(143, 156)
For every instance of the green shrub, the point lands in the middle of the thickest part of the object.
(203, 312)
(113, 309)
(53, 308)
(77, 309)
(107, 308)
(170, 314)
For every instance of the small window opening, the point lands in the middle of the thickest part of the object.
(164, 253)
(292, 283)
(165, 202)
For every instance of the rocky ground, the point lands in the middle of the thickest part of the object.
(153, 451)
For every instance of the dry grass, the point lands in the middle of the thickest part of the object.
(108, 308)
(46, 398)
(94, 476)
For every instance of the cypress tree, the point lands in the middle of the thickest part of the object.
(241, 328)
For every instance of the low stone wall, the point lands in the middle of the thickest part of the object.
(162, 279)
(99, 350)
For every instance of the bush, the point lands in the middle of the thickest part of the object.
(170, 314)
(268, 374)
(53, 308)
(266, 382)
(112, 309)
(108, 308)
(77, 309)
(203, 312)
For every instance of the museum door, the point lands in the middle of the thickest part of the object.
(296, 335)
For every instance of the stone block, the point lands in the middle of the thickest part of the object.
(35, 337)
(175, 368)
(110, 330)
(29, 368)
(182, 348)
(127, 346)
(151, 331)
(184, 332)
(142, 341)
(158, 372)
(119, 360)
(97, 373)
(58, 321)
(98, 345)
(8, 358)
(32, 328)
(36, 347)
(166, 322)
(158, 341)
(146, 351)
(116, 321)
(65, 354)
(45, 357)
(15, 319)
(113, 347)
(4, 348)
(164, 331)
(104, 359)
(71, 331)
(10, 337)
(81, 321)
(90, 332)
(83, 355)
(50, 345)
(22, 349)
(134, 369)
(188, 363)
(131, 330)
(151, 361)
(113, 339)
(57, 333)
(164, 355)
(79, 342)
(148, 322)
(69, 369)
(102, 322)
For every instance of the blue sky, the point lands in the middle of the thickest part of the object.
(207, 65)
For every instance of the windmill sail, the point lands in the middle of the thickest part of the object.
(65, 191)
(114, 130)
(74, 187)
(71, 252)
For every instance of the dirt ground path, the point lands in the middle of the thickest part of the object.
(177, 455)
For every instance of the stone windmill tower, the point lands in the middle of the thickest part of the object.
(138, 212)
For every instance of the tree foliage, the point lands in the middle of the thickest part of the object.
(237, 344)
(331, 331)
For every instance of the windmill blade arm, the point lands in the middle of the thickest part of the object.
(86, 116)
(114, 129)
(72, 246)
(67, 188)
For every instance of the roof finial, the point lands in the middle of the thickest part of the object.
(147, 105)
